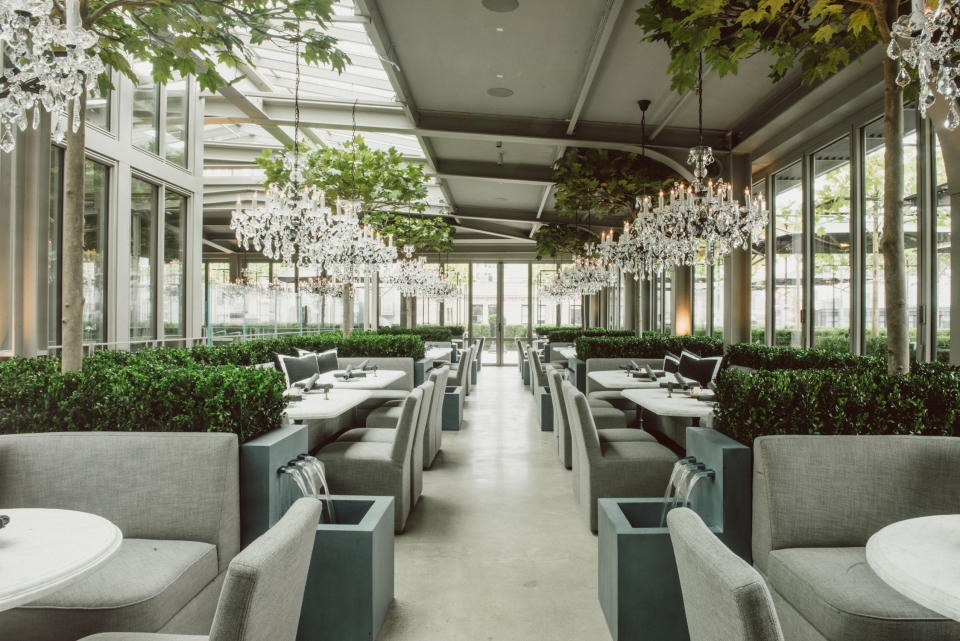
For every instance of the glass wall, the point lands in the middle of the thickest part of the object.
(718, 297)
(143, 256)
(146, 111)
(98, 109)
(516, 308)
(700, 296)
(176, 130)
(484, 313)
(942, 264)
(174, 260)
(758, 278)
(788, 252)
(831, 246)
(875, 318)
(95, 212)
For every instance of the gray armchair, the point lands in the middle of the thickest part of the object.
(263, 591)
(175, 497)
(433, 439)
(816, 501)
(724, 598)
(377, 469)
(631, 469)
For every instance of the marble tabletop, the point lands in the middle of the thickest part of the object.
(438, 354)
(920, 559)
(679, 405)
(380, 380)
(314, 405)
(567, 352)
(618, 379)
(42, 551)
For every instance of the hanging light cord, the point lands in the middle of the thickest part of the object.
(700, 98)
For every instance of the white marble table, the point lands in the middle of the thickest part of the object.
(438, 354)
(383, 378)
(567, 352)
(619, 379)
(314, 406)
(42, 551)
(678, 406)
(920, 559)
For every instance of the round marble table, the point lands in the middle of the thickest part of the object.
(41, 551)
(920, 558)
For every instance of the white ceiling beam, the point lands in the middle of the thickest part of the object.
(597, 51)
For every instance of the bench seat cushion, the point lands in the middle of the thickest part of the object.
(836, 592)
(645, 451)
(608, 417)
(369, 435)
(624, 435)
(614, 397)
(141, 587)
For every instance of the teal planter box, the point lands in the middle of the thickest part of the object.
(473, 372)
(350, 582)
(526, 372)
(260, 484)
(421, 369)
(454, 355)
(450, 418)
(579, 369)
(546, 410)
(639, 589)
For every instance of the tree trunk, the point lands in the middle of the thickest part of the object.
(347, 324)
(71, 276)
(891, 242)
(411, 303)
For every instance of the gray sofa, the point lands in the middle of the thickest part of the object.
(816, 501)
(175, 497)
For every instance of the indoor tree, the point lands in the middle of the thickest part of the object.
(820, 37)
(607, 182)
(554, 241)
(185, 37)
(392, 192)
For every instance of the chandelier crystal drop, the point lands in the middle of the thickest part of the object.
(351, 251)
(48, 65)
(927, 40)
(323, 286)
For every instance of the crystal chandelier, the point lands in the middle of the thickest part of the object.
(931, 43)
(291, 224)
(557, 288)
(323, 286)
(352, 251)
(48, 65)
(701, 215)
(408, 275)
(588, 275)
(442, 289)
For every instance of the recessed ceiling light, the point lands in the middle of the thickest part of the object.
(499, 75)
(500, 92)
(500, 29)
(500, 199)
(501, 6)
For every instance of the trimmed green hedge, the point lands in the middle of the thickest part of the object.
(543, 330)
(456, 330)
(776, 358)
(156, 391)
(426, 332)
(650, 345)
(854, 400)
(359, 344)
(570, 335)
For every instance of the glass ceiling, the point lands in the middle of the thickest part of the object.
(274, 72)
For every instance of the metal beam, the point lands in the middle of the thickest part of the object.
(496, 230)
(597, 51)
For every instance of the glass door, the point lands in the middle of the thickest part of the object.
(484, 313)
(516, 310)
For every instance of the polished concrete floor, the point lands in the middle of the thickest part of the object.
(496, 549)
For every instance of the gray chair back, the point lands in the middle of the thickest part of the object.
(263, 591)
(406, 426)
(537, 369)
(439, 378)
(555, 381)
(724, 597)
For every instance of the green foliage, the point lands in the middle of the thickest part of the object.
(854, 400)
(434, 333)
(607, 182)
(569, 335)
(191, 37)
(365, 344)
(544, 330)
(763, 357)
(821, 37)
(554, 241)
(147, 392)
(385, 185)
(456, 330)
(650, 345)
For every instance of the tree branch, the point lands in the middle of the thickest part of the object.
(120, 4)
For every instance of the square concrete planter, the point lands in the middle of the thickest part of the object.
(452, 409)
(421, 369)
(260, 484)
(350, 583)
(639, 589)
(579, 376)
(526, 372)
(546, 409)
(473, 372)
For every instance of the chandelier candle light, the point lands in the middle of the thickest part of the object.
(49, 65)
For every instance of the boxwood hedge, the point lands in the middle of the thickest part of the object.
(649, 345)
